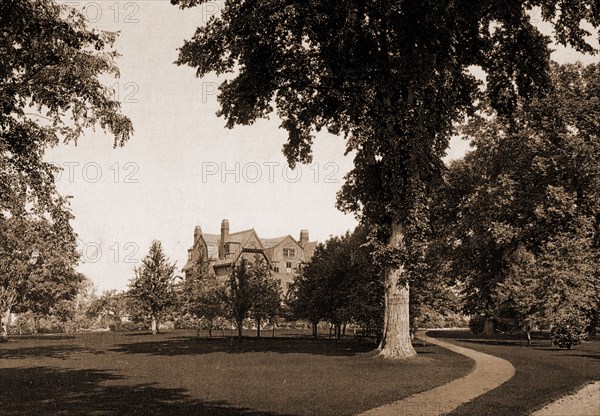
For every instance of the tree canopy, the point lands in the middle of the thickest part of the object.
(151, 291)
(392, 77)
(522, 209)
(50, 92)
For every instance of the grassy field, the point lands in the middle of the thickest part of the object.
(177, 373)
(543, 372)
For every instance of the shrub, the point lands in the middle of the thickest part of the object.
(568, 332)
(132, 326)
(477, 323)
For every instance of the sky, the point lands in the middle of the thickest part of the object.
(182, 167)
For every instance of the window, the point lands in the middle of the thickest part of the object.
(288, 252)
(288, 267)
(276, 269)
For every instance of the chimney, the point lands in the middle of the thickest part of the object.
(224, 238)
(197, 233)
(303, 237)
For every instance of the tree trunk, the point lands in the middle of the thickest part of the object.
(396, 342)
(239, 328)
(315, 330)
(210, 325)
(273, 328)
(528, 336)
(488, 327)
(154, 326)
(4, 320)
(258, 328)
(36, 324)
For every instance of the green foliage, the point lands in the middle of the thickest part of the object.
(266, 300)
(251, 292)
(151, 291)
(568, 332)
(203, 299)
(37, 259)
(111, 307)
(49, 93)
(477, 324)
(392, 77)
(340, 284)
(522, 209)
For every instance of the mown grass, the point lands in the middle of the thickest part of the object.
(178, 373)
(543, 372)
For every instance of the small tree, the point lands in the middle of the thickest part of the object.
(151, 290)
(242, 287)
(267, 297)
(112, 306)
(203, 298)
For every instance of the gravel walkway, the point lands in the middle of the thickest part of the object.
(489, 373)
(586, 402)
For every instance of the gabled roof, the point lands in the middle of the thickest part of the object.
(273, 242)
(309, 249)
(212, 239)
(241, 238)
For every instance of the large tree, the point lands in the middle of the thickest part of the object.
(522, 210)
(151, 292)
(392, 77)
(49, 93)
(37, 265)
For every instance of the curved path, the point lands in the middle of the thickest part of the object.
(489, 373)
(586, 402)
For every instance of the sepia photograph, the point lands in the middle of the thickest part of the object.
(300, 207)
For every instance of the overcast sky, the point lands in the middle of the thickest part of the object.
(182, 167)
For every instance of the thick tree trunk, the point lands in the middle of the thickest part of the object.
(258, 328)
(315, 329)
(488, 326)
(4, 319)
(396, 342)
(154, 326)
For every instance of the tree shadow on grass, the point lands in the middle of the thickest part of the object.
(193, 346)
(61, 351)
(49, 391)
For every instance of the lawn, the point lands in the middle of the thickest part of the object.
(543, 372)
(178, 373)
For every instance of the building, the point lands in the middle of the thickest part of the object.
(218, 253)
